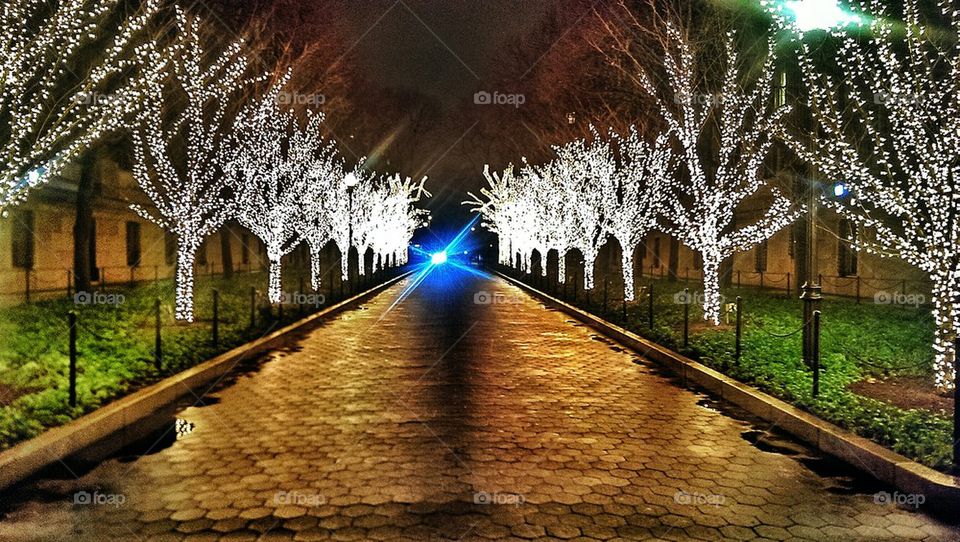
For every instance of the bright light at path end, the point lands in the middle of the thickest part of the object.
(439, 257)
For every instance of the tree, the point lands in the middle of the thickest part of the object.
(67, 81)
(740, 110)
(889, 129)
(640, 193)
(268, 160)
(179, 142)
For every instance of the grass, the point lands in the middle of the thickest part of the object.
(857, 341)
(115, 347)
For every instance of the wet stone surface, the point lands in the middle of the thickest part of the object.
(448, 419)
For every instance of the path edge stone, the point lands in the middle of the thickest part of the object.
(30, 456)
(941, 491)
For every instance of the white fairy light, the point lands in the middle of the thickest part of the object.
(896, 147)
(179, 143)
(49, 118)
(701, 213)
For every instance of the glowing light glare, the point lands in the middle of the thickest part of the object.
(439, 257)
(839, 190)
(809, 15)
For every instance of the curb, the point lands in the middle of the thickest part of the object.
(942, 491)
(55, 444)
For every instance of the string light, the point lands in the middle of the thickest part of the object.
(896, 145)
(48, 118)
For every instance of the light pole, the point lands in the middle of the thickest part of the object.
(351, 181)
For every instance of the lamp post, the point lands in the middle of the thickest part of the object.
(351, 181)
(814, 15)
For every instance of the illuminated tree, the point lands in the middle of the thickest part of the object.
(64, 85)
(637, 196)
(701, 213)
(178, 146)
(896, 144)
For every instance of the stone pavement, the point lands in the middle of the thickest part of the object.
(462, 415)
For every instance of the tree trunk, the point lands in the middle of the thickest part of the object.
(275, 292)
(561, 266)
(316, 257)
(945, 313)
(186, 257)
(711, 288)
(626, 261)
(83, 224)
(226, 254)
(589, 260)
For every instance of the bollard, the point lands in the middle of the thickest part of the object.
(69, 283)
(816, 353)
(858, 289)
(157, 344)
(253, 307)
(650, 306)
(624, 309)
(216, 318)
(72, 321)
(686, 317)
(956, 406)
(738, 347)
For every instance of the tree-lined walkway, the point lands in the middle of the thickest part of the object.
(454, 418)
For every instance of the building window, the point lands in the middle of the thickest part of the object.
(169, 248)
(760, 257)
(656, 252)
(202, 254)
(245, 249)
(780, 89)
(23, 239)
(133, 244)
(847, 255)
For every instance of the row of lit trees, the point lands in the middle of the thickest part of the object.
(886, 113)
(205, 151)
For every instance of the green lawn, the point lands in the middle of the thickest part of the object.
(857, 341)
(115, 345)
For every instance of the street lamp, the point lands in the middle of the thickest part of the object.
(351, 181)
(809, 15)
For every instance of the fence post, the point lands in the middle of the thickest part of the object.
(624, 307)
(27, 284)
(686, 317)
(858, 289)
(956, 405)
(72, 321)
(253, 307)
(650, 306)
(157, 343)
(816, 353)
(69, 283)
(738, 348)
(216, 318)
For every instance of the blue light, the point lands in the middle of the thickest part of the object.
(439, 257)
(839, 190)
